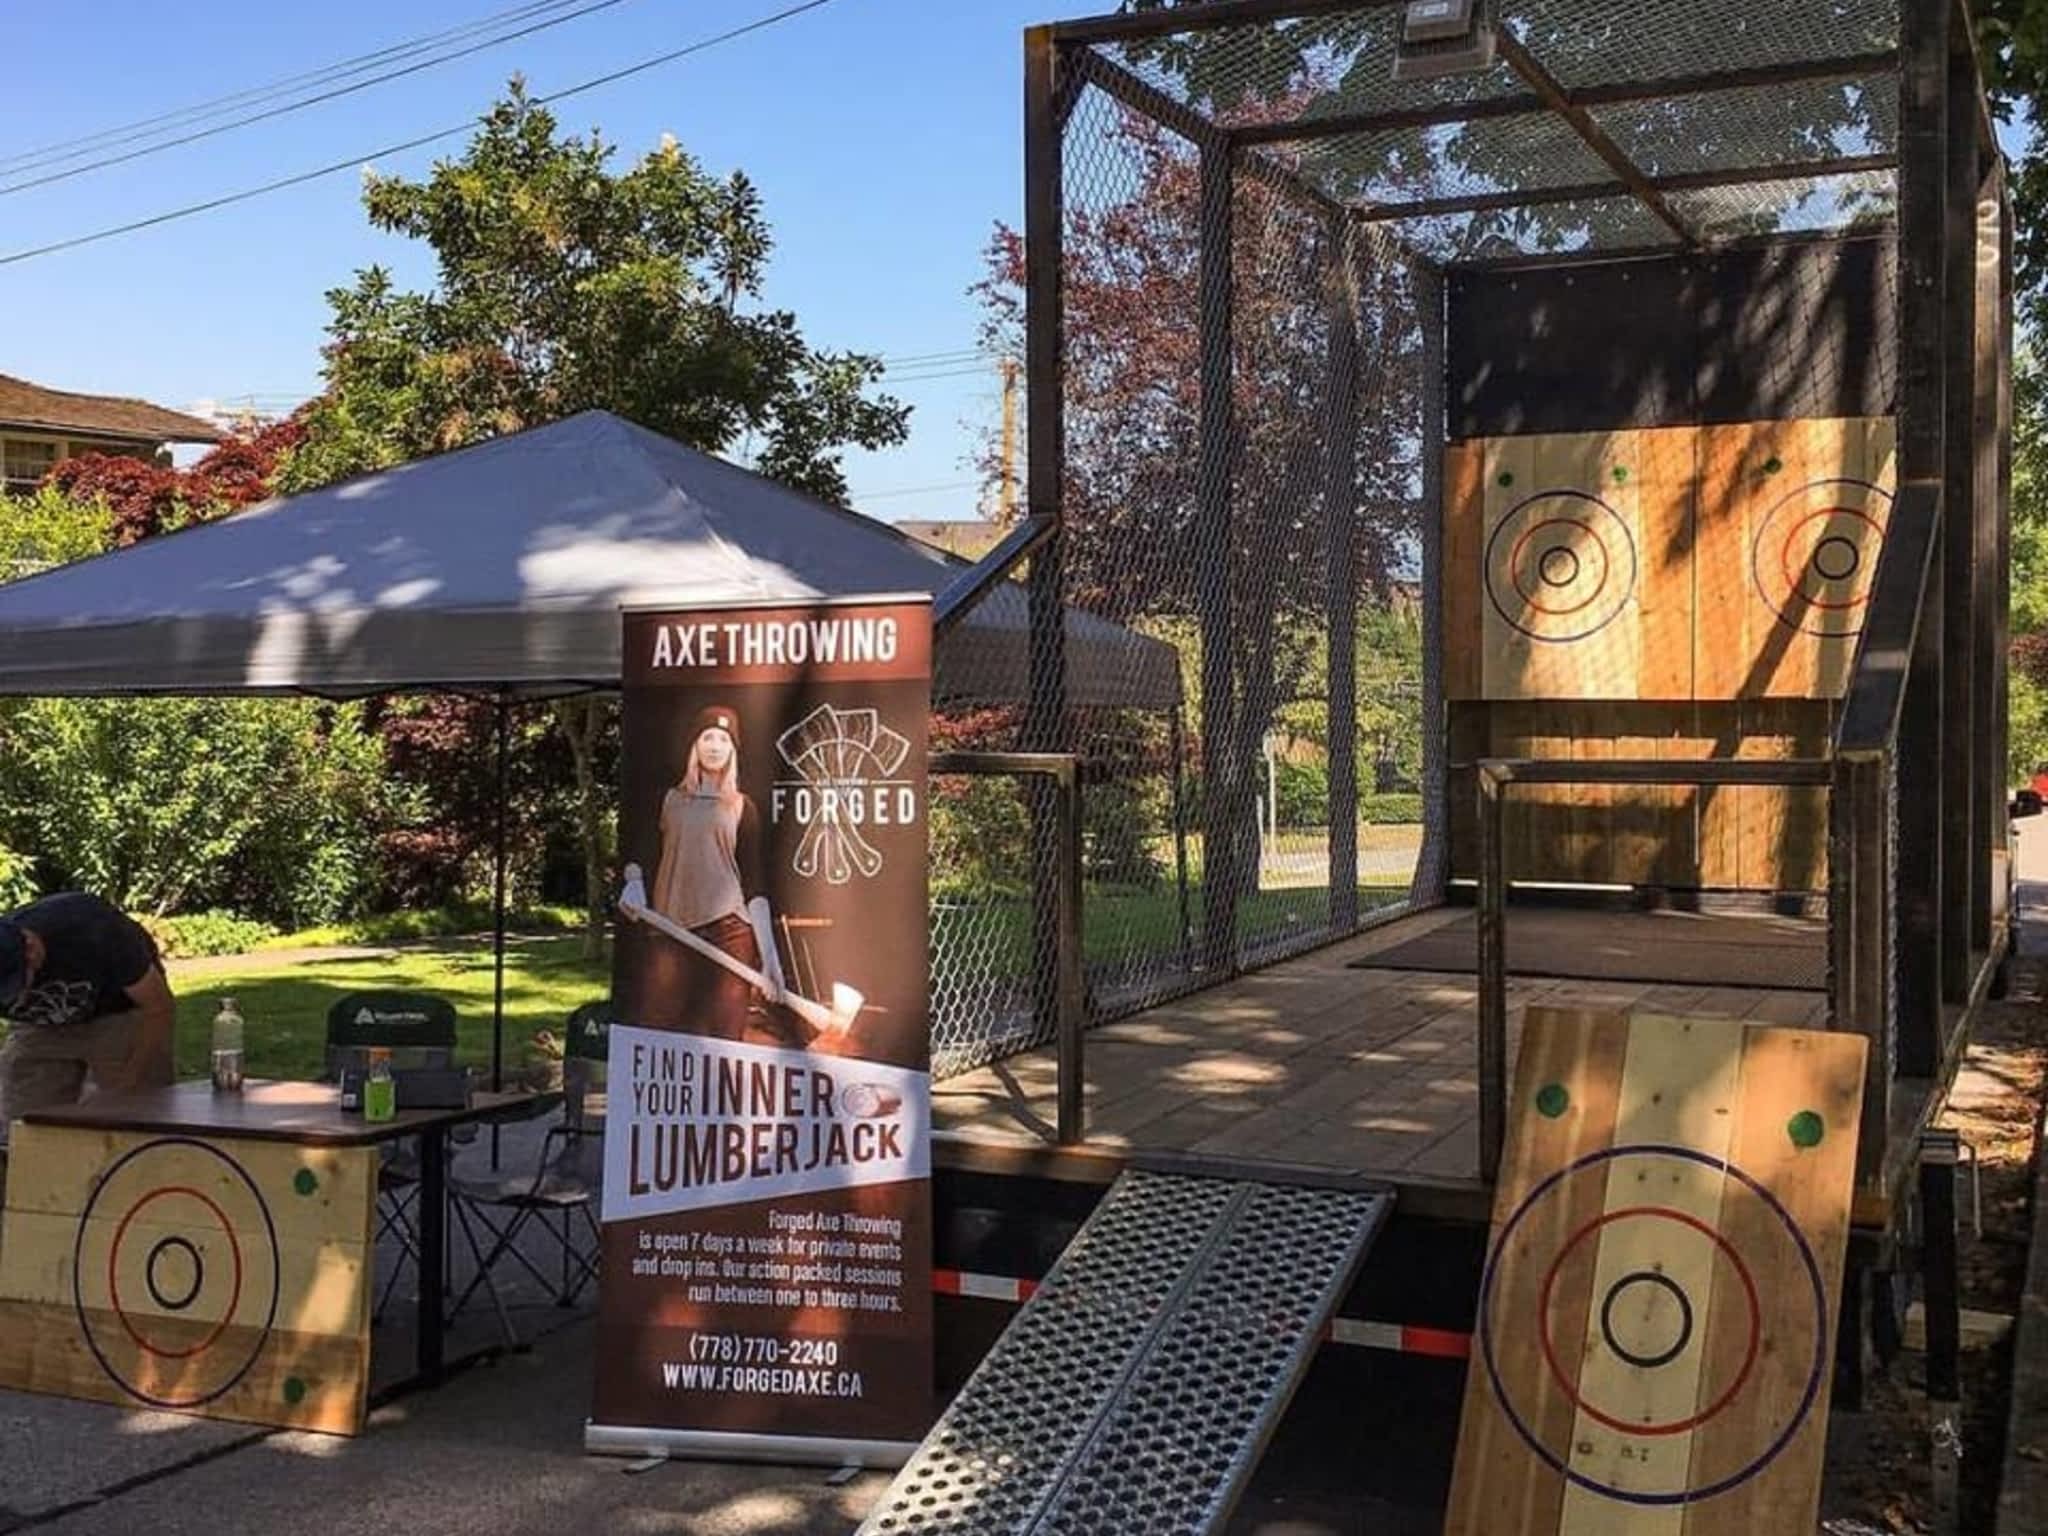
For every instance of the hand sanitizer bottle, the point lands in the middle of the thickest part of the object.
(380, 1092)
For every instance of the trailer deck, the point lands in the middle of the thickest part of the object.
(1319, 1063)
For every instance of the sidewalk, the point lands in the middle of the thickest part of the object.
(494, 1453)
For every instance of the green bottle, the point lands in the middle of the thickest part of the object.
(380, 1093)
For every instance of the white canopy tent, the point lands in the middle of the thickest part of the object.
(501, 568)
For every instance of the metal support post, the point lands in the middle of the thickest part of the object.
(1224, 800)
(1850, 1364)
(1045, 716)
(1987, 762)
(1176, 738)
(1859, 895)
(1960, 801)
(1493, 976)
(1073, 1002)
(1340, 507)
(1923, 242)
(1939, 1272)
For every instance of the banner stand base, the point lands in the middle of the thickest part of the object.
(716, 1445)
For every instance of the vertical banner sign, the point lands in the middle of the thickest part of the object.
(766, 1288)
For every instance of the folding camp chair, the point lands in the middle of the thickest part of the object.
(419, 1031)
(563, 1192)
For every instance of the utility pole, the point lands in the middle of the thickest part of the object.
(1007, 505)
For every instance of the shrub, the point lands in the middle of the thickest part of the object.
(207, 933)
(1303, 790)
(264, 807)
(1390, 809)
(1122, 824)
(17, 878)
(981, 839)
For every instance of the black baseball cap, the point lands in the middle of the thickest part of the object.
(13, 961)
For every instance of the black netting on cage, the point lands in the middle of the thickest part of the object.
(1288, 280)
(1243, 397)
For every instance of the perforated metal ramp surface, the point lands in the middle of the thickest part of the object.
(1135, 1392)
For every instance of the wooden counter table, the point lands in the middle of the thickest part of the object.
(212, 1252)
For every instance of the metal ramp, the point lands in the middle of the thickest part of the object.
(1136, 1390)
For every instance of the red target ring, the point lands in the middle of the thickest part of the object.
(1796, 586)
(1782, 573)
(219, 1361)
(1521, 546)
(1570, 1387)
(1514, 589)
(114, 1278)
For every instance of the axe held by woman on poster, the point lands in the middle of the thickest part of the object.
(832, 1021)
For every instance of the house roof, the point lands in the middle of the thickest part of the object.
(23, 404)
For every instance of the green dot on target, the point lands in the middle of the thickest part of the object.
(294, 1390)
(1620, 474)
(1552, 1100)
(304, 1182)
(1773, 464)
(1806, 1129)
(1507, 477)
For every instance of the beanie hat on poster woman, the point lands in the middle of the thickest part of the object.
(717, 717)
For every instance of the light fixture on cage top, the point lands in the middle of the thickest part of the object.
(1445, 37)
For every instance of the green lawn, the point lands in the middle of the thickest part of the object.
(286, 1007)
(1123, 924)
(546, 976)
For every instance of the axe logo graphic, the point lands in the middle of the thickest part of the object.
(843, 764)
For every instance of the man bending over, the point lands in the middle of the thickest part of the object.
(84, 995)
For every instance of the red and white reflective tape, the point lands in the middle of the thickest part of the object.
(956, 1282)
(1401, 1338)
(1397, 1338)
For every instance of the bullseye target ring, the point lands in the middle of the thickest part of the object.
(169, 1298)
(1560, 566)
(1648, 1319)
(1814, 555)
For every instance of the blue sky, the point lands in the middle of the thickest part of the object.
(884, 135)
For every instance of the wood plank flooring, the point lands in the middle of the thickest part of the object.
(1312, 1062)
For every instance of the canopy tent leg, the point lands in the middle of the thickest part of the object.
(498, 857)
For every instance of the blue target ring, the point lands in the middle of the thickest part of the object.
(1807, 1398)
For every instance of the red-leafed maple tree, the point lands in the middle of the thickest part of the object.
(148, 498)
(1300, 479)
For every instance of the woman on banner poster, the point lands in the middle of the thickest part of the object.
(711, 878)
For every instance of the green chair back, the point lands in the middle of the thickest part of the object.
(416, 1027)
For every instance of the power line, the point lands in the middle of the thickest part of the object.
(287, 108)
(960, 356)
(917, 490)
(71, 149)
(228, 199)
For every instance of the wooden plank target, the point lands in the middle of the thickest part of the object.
(1657, 1311)
(223, 1277)
(1792, 517)
(1583, 573)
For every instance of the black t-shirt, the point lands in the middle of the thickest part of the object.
(92, 954)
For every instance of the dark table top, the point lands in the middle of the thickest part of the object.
(307, 1113)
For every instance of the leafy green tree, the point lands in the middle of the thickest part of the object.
(565, 286)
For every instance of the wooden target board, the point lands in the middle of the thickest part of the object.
(1792, 517)
(1657, 1311)
(215, 1276)
(1583, 590)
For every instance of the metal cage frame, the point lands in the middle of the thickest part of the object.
(1915, 774)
